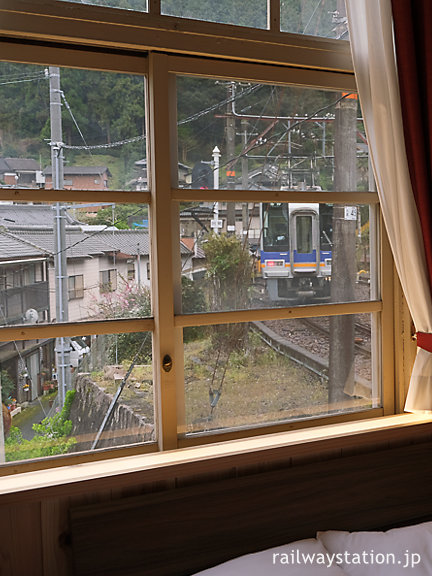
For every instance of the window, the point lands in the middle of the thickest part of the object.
(139, 5)
(269, 283)
(108, 280)
(253, 14)
(131, 271)
(326, 18)
(304, 234)
(76, 287)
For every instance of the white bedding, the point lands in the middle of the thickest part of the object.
(397, 552)
(301, 558)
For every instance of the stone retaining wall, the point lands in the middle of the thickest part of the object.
(88, 410)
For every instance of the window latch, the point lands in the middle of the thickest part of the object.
(167, 363)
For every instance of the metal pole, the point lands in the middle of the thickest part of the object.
(216, 160)
(290, 178)
(62, 309)
(62, 347)
(230, 140)
(245, 179)
(138, 265)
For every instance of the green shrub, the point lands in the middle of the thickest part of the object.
(7, 385)
(52, 436)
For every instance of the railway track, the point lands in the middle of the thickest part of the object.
(362, 334)
(312, 352)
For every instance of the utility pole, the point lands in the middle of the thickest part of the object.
(230, 140)
(62, 347)
(344, 269)
(245, 177)
(57, 160)
(216, 160)
(341, 362)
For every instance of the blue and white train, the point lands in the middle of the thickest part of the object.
(296, 250)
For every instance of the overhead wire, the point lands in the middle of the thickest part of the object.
(205, 111)
(24, 78)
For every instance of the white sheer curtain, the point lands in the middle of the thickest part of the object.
(371, 35)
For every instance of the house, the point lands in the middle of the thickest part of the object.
(88, 255)
(24, 299)
(344, 471)
(98, 263)
(140, 181)
(82, 178)
(20, 173)
(98, 259)
(194, 266)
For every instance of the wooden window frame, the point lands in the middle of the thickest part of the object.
(86, 25)
(113, 40)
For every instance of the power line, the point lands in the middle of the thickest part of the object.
(219, 104)
(73, 118)
(111, 145)
(28, 78)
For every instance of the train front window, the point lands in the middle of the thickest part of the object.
(276, 227)
(304, 234)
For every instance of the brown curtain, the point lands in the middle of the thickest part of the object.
(413, 40)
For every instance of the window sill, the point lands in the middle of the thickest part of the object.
(341, 438)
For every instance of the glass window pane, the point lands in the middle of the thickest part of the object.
(304, 242)
(58, 393)
(325, 18)
(252, 13)
(267, 372)
(279, 254)
(138, 5)
(71, 129)
(97, 251)
(237, 135)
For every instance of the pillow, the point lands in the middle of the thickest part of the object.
(301, 558)
(397, 552)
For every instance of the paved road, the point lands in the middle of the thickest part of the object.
(35, 412)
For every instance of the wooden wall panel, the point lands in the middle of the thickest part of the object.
(56, 554)
(178, 532)
(20, 540)
(320, 477)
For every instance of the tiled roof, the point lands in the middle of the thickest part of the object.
(200, 211)
(34, 224)
(192, 246)
(78, 244)
(12, 248)
(14, 216)
(18, 165)
(80, 170)
(127, 241)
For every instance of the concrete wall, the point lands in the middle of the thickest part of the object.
(89, 408)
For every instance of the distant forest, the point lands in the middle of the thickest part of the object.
(106, 110)
(298, 16)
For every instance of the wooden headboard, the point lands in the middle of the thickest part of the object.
(180, 531)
